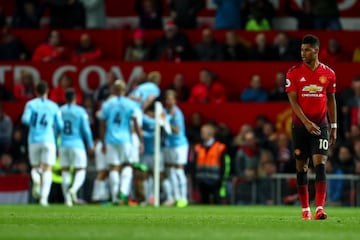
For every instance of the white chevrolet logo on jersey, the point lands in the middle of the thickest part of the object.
(312, 90)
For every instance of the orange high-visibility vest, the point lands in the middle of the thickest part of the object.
(208, 162)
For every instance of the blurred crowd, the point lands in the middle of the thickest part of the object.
(173, 45)
(229, 14)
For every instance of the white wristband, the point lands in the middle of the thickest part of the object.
(333, 125)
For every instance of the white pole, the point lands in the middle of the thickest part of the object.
(158, 109)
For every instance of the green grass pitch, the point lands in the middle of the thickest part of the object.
(194, 222)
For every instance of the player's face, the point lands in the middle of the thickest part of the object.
(308, 53)
(170, 101)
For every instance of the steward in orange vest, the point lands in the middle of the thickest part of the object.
(209, 170)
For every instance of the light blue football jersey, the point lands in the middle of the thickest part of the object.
(176, 139)
(144, 90)
(44, 119)
(117, 112)
(148, 135)
(76, 127)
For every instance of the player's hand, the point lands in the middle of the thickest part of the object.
(141, 148)
(313, 128)
(103, 148)
(332, 137)
(90, 152)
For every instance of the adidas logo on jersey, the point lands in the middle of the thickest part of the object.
(302, 79)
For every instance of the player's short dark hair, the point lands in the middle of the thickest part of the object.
(70, 95)
(42, 88)
(356, 78)
(312, 40)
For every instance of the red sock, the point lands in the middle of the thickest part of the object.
(320, 193)
(303, 195)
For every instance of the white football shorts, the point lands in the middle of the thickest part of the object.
(135, 148)
(75, 157)
(118, 154)
(42, 153)
(148, 161)
(176, 155)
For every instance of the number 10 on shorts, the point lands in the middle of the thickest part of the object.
(323, 144)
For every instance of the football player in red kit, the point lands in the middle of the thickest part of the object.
(311, 88)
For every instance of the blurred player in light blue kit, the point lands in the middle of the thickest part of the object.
(72, 151)
(147, 158)
(146, 93)
(143, 95)
(43, 117)
(176, 149)
(117, 116)
(100, 192)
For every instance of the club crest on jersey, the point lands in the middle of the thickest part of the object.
(322, 79)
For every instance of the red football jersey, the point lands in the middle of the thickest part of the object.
(311, 88)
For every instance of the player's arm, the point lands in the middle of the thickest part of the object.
(135, 95)
(138, 132)
(59, 121)
(26, 117)
(102, 130)
(309, 125)
(87, 131)
(102, 126)
(137, 99)
(331, 106)
(137, 128)
(148, 102)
